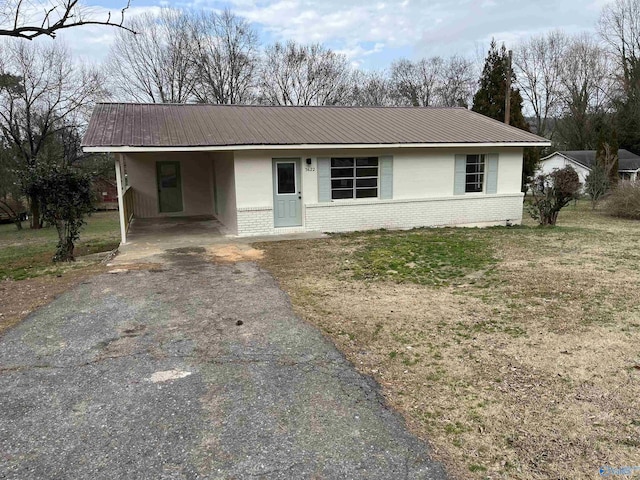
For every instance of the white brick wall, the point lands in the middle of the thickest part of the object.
(255, 221)
(458, 210)
(462, 210)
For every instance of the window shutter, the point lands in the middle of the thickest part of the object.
(492, 173)
(460, 177)
(386, 177)
(324, 180)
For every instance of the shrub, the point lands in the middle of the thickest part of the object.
(596, 184)
(624, 201)
(551, 192)
(65, 198)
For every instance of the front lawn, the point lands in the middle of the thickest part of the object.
(515, 351)
(27, 253)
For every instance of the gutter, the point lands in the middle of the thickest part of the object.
(378, 146)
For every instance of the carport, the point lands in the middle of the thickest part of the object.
(154, 236)
(173, 191)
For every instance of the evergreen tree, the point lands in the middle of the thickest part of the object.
(490, 99)
(628, 121)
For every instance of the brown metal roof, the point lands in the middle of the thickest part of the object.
(197, 125)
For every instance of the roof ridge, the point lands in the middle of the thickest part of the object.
(245, 105)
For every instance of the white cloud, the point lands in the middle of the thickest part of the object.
(414, 27)
(426, 28)
(393, 23)
(358, 51)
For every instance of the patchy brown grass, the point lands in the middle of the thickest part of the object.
(527, 367)
(18, 298)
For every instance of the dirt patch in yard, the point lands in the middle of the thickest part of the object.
(526, 367)
(234, 253)
(18, 298)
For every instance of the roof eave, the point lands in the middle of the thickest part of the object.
(566, 157)
(222, 148)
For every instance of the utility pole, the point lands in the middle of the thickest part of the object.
(507, 98)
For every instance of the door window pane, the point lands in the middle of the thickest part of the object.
(286, 178)
(168, 175)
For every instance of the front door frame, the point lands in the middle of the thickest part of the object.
(295, 196)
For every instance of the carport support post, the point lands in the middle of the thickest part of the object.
(123, 228)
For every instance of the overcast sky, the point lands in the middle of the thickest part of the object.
(373, 33)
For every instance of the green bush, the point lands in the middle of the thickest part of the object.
(624, 201)
(65, 198)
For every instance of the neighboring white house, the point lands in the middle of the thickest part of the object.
(582, 160)
(269, 170)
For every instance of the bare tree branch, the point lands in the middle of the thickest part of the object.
(226, 58)
(43, 98)
(70, 14)
(293, 74)
(539, 67)
(156, 65)
(586, 92)
(433, 82)
(619, 26)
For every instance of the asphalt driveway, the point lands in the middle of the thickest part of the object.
(190, 369)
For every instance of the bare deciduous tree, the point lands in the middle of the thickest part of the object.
(226, 58)
(156, 65)
(433, 82)
(51, 94)
(371, 89)
(538, 62)
(458, 82)
(586, 91)
(416, 83)
(619, 26)
(293, 74)
(22, 19)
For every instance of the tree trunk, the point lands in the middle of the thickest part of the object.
(64, 250)
(35, 222)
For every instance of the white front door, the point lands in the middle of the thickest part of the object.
(287, 193)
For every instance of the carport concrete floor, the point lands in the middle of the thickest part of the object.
(190, 369)
(149, 238)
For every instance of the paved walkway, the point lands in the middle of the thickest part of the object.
(193, 369)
